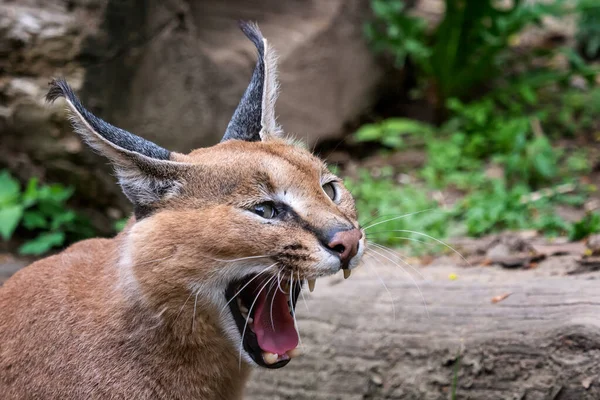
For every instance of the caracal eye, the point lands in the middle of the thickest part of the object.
(329, 190)
(265, 210)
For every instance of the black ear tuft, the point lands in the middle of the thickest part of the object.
(246, 121)
(117, 136)
(252, 32)
(145, 172)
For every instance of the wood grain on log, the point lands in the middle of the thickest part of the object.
(541, 342)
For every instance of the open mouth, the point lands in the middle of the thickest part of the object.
(263, 311)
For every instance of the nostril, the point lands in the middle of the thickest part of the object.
(340, 248)
(345, 244)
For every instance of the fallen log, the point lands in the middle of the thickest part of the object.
(506, 334)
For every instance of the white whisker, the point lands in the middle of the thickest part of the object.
(247, 283)
(273, 299)
(182, 307)
(400, 217)
(302, 292)
(371, 220)
(291, 297)
(250, 313)
(194, 316)
(393, 254)
(435, 240)
(402, 237)
(387, 290)
(279, 283)
(410, 276)
(238, 259)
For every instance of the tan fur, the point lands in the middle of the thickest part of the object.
(120, 318)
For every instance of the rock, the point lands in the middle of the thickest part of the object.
(40, 39)
(182, 68)
(593, 244)
(512, 251)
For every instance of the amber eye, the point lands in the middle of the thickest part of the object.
(329, 190)
(265, 210)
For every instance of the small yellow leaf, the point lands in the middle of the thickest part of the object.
(514, 40)
(453, 276)
(588, 252)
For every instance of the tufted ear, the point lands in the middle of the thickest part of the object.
(254, 118)
(146, 171)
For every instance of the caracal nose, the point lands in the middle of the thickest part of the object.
(345, 243)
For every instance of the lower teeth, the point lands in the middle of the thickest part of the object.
(272, 358)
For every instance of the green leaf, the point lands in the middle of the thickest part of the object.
(120, 224)
(586, 226)
(34, 220)
(43, 243)
(9, 189)
(407, 126)
(528, 94)
(63, 218)
(30, 196)
(368, 133)
(9, 220)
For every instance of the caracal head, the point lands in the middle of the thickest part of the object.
(238, 226)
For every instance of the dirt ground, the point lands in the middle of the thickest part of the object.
(521, 322)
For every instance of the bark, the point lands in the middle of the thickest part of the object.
(540, 342)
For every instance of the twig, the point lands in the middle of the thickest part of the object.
(547, 192)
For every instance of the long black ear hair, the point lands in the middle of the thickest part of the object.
(254, 118)
(146, 172)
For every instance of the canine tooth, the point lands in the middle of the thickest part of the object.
(250, 320)
(311, 284)
(347, 273)
(269, 358)
(241, 306)
(294, 352)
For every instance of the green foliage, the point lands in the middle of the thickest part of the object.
(496, 150)
(497, 207)
(411, 202)
(588, 29)
(42, 210)
(586, 226)
(120, 224)
(465, 49)
(504, 130)
(389, 132)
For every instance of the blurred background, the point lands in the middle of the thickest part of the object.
(464, 127)
(485, 112)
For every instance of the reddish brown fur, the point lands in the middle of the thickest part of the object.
(115, 318)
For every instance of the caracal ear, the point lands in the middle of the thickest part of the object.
(147, 173)
(254, 118)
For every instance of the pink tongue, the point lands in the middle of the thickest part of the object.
(275, 333)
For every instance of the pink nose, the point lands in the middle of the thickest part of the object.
(345, 243)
